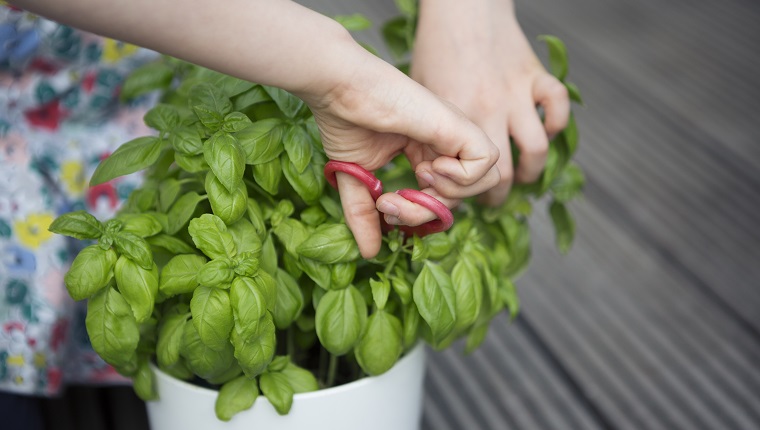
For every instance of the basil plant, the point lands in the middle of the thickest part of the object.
(232, 266)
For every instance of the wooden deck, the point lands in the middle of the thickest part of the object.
(653, 320)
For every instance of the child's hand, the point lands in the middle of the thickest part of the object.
(475, 55)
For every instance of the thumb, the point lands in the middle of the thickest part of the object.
(361, 216)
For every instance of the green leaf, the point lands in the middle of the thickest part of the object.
(130, 157)
(407, 7)
(318, 272)
(170, 244)
(394, 34)
(381, 345)
(257, 218)
(402, 287)
(203, 360)
(255, 351)
(138, 286)
(191, 163)
(571, 135)
(162, 117)
(168, 191)
(226, 159)
(179, 275)
(141, 225)
(141, 200)
(249, 304)
(308, 183)
(438, 245)
(313, 216)
(268, 175)
(564, 226)
(411, 324)
(569, 184)
(419, 251)
(79, 225)
(246, 238)
(216, 273)
(286, 102)
(291, 234)
(340, 319)
(300, 379)
(186, 140)
(435, 298)
(254, 95)
(574, 93)
(261, 141)
(209, 105)
(381, 289)
(210, 235)
(147, 78)
(235, 122)
(182, 210)
(90, 272)
(228, 206)
(144, 382)
(278, 391)
(557, 56)
(469, 294)
(170, 339)
(289, 301)
(212, 316)
(509, 296)
(475, 338)
(355, 22)
(134, 247)
(235, 396)
(342, 274)
(330, 244)
(112, 328)
(268, 258)
(298, 146)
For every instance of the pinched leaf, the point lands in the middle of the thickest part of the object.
(557, 56)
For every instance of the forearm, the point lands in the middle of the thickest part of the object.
(273, 42)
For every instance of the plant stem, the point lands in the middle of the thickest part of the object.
(331, 370)
(392, 263)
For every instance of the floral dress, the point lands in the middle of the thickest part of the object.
(59, 115)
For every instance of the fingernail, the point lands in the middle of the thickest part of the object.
(426, 177)
(388, 208)
(392, 220)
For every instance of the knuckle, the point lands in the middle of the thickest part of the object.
(557, 91)
(361, 210)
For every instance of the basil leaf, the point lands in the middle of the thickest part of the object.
(574, 93)
(355, 22)
(179, 274)
(231, 373)
(381, 345)
(420, 251)
(475, 338)
(229, 206)
(331, 207)
(215, 273)
(162, 117)
(209, 105)
(291, 234)
(79, 225)
(569, 184)
(170, 339)
(261, 141)
(146, 78)
(509, 296)
(435, 298)
(330, 244)
(340, 319)
(130, 157)
(318, 272)
(299, 379)
(90, 272)
(557, 56)
(341, 275)
(286, 102)
(245, 237)
(289, 300)
(278, 391)
(438, 245)
(394, 35)
(144, 382)
(292, 265)
(564, 226)
(268, 260)
(308, 183)
(402, 287)
(254, 95)
(168, 191)
(249, 304)
(170, 243)
(411, 325)
(313, 216)
(210, 235)
(469, 294)
(142, 225)
(134, 247)
(235, 396)
(138, 286)
(141, 200)
(182, 210)
(112, 328)
(200, 358)
(235, 121)
(518, 235)
(191, 163)
(226, 159)
(278, 363)
(254, 351)
(298, 146)
(212, 316)
(571, 135)
(186, 140)
(381, 289)
(268, 175)
(257, 218)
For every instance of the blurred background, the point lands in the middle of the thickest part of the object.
(652, 321)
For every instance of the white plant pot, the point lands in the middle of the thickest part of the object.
(391, 401)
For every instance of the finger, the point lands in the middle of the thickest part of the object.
(400, 211)
(530, 137)
(496, 128)
(449, 188)
(552, 95)
(361, 216)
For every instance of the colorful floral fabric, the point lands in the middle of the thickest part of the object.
(59, 116)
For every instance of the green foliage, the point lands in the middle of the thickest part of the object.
(233, 262)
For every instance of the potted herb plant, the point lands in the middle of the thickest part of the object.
(231, 267)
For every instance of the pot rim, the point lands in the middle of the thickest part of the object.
(415, 351)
